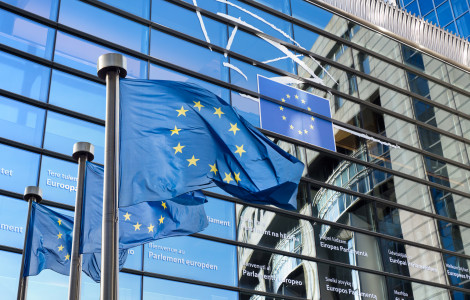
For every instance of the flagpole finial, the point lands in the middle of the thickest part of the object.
(83, 148)
(34, 192)
(112, 61)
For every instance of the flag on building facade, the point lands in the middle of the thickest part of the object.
(177, 137)
(49, 245)
(140, 223)
(291, 122)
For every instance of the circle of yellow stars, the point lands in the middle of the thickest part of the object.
(192, 160)
(151, 228)
(61, 247)
(291, 126)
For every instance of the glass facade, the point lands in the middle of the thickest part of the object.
(453, 15)
(385, 216)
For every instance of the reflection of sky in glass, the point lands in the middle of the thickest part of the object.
(18, 169)
(11, 263)
(57, 179)
(247, 108)
(140, 8)
(43, 8)
(13, 215)
(221, 216)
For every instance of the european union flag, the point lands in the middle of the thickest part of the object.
(177, 137)
(49, 245)
(140, 223)
(293, 123)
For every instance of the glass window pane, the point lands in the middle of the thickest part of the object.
(155, 288)
(50, 283)
(221, 217)
(57, 137)
(188, 257)
(431, 17)
(23, 77)
(413, 8)
(186, 21)
(13, 217)
(83, 55)
(104, 24)
(251, 72)
(444, 14)
(78, 94)
(21, 122)
(26, 35)
(425, 6)
(464, 25)
(18, 169)
(459, 6)
(187, 55)
(311, 14)
(9, 272)
(44, 8)
(140, 8)
(247, 108)
(58, 180)
(134, 258)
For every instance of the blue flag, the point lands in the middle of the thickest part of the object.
(177, 137)
(140, 223)
(49, 245)
(293, 123)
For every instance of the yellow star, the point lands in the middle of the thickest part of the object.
(213, 168)
(198, 105)
(218, 111)
(240, 150)
(284, 118)
(237, 177)
(59, 236)
(181, 111)
(300, 132)
(312, 118)
(127, 217)
(176, 130)
(288, 96)
(61, 248)
(137, 226)
(228, 177)
(234, 128)
(161, 219)
(291, 127)
(192, 161)
(178, 148)
(311, 126)
(164, 205)
(281, 108)
(150, 228)
(303, 101)
(305, 131)
(309, 109)
(59, 221)
(296, 97)
(67, 257)
(283, 100)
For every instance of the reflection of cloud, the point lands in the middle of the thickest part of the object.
(203, 27)
(228, 65)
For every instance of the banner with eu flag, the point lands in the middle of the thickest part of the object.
(140, 223)
(293, 123)
(177, 137)
(49, 245)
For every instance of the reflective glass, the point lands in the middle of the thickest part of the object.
(451, 27)
(251, 72)
(247, 107)
(21, 122)
(139, 8)
(134, 258)
(23, 77)
(413, 8)
(162, 73)
(58, 180)
(104, 24)
(314, 15)
(280, 5)
(83, 55)
(78, 94)
(18, 169)
(187, 22)
(210, 5)
(425, 6)
(58, 138)
(155, 288)
(44, 8)
(431, 17)
(463, 23)
(13, 217)
(221, 217)
(188, 257)
(403, 289)
(444, 13)
(187, 55)
(11, 264)
(459, 7)
(50, 283)
(26, 35)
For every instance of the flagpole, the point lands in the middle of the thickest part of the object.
(111, 66)
(82, 152)
(31, 193)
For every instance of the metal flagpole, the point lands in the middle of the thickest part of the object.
(31, 193)
(111, 66)
(82, 152)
